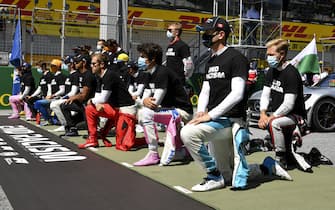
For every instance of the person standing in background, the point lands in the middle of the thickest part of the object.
(178, 56)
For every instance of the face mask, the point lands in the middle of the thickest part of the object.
(65, 67)
(99, 47)
(207, 40)
(272, 61)
(169, 35)
(141, 63)
(39, 70)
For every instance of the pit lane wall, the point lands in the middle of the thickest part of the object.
(6, 81)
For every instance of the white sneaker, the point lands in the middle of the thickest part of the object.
(44, 123)
(274, 168)
(59, 129)
(209, 183)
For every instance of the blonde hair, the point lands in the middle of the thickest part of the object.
(178, 26)
(281, 45)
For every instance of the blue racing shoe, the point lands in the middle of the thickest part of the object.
(275, 169)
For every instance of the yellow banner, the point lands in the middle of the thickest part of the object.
(70, 31)
(293, 31)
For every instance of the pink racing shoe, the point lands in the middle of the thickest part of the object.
(14, 116)
(152, 158)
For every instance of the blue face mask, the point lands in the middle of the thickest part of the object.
(39, 70)
(141, 63)
(272, 61)
(65, 67)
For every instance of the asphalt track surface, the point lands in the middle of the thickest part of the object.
(31, 179)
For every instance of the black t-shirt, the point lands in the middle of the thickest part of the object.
(219, 73)
(175, 53)
(44, 81)
(142, 78)
(72, 79)
(57, 80)
(120, 96)
(88, 79)
(286, 81)
(176, 96)
(27, 80)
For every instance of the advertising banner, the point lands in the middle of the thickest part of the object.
(293, 31)
(6, 81)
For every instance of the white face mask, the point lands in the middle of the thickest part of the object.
(169, 35)
(99, 47)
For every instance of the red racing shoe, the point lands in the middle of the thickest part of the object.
(106, 142)
(90, 142)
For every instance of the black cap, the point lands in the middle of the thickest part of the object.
(81, 49)
(69, 59)
(217, 24)
(82, 57)
(26, 65)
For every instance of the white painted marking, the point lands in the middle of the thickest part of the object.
(4, 202)
(182, 189)
(93, 149)
(128, 165)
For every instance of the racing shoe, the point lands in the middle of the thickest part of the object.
(210, 183)
(90, 142)
(152, 158)
(106, 142)
(30, 119)
(72, 132)
(59, 129)
(274, 168)
(14, 116)
(168, 153)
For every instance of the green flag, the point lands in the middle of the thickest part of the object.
(307, 60)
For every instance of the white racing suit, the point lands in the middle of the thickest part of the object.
(226, 138)
(172, 118)
(286, 133)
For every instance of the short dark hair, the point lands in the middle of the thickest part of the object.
(111, 43)
(42, 64)
(152, 51)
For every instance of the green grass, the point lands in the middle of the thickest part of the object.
(307, 191)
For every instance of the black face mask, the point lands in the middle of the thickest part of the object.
(207, 40)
